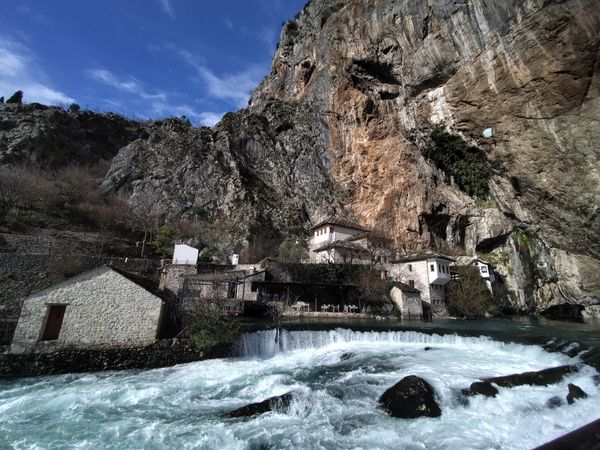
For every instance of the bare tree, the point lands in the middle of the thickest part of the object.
(142, 217)
(372, 293)
(467, 295)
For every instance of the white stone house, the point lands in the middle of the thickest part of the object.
(408, 301)
(428, 273)
(100, 308)
(486, 271)
(343, 241)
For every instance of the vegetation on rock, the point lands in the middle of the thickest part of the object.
(293, 250)
(210, 328)
(465, 164)
(17, 97)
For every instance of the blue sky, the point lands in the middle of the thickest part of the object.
(141, 58)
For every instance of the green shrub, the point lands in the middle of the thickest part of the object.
(163, 241)
(467, 165)
(293, 250)
(210, 328)
(17, 97)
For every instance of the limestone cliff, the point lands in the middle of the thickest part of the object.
(344, 121)
(382, 72)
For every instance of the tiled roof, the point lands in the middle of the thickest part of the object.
(146, 283)
(341, 222)
(341, 244)
(405, 287)
(368, 235)
(419, 256)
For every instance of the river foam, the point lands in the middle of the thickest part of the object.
(337, 377)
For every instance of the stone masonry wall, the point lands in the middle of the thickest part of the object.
(104, 309)
(68, 360)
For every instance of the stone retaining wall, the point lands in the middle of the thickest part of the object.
(162, 353)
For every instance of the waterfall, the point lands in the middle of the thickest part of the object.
(264, 345)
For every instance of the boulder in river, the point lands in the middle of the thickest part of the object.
(575, 393)
(481, 388)
(409, 398)
(539, 378)
(277, 403)
(554, 402)
(346, 356)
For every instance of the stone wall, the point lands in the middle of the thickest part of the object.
(103, 308)
(417, 271)
(173, 275)
(408, 303)
(160, 354)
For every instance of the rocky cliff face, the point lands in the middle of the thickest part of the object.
(344, 122)
(254, 178)
(50, 137)
(382, 72)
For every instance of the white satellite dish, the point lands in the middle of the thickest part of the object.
(488, 133)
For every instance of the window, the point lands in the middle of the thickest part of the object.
(484, 269)
(432, 267)
(411, 283)
(231, 288)
(54, 321)
(410, 267)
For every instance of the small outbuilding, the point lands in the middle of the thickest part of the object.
(100, 308)
(408, 301)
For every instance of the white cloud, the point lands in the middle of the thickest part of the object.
(167, 7)
(235, 86)
(128, 84)
(210, 119)
(19, 71)
(229, 24)
(156, 104)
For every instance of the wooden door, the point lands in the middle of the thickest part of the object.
(56, 314)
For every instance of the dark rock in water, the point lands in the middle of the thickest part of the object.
(409, 398)
(540, 378)
(278, 403)
(596, 379)
(346, 356)
(554, 402)
(427, 349)
(575, 393)
(481, 388)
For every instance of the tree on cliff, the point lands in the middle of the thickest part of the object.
(17, 97)
(293, 250)
(467, 295)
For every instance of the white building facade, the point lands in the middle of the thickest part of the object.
(428, 273)
(343, 241)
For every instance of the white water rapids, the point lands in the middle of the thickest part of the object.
(335, 404)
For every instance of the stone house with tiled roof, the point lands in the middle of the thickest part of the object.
(339, 240)
(101, 308)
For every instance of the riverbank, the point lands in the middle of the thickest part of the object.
(163, 353)
(566, 337)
